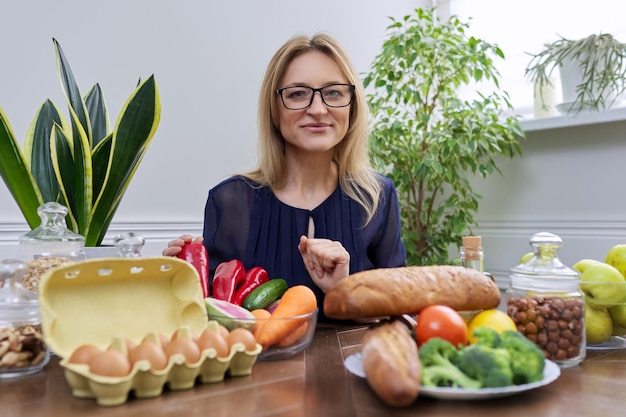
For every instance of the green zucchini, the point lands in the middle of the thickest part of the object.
(265, 294)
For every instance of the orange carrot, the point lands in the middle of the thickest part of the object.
(292, 337)
(261, 315)
(296, 301)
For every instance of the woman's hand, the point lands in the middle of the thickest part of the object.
(326, 261)
(175, 246)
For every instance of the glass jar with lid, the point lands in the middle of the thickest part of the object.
(545, 302)
(22, 347)
(128, 245)
(52, 238)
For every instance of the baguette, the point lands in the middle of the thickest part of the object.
(407, 290)
(391, 363)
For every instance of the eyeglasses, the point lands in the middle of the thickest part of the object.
(300, 97)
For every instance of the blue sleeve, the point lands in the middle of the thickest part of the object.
(227, 221)
(386, 249)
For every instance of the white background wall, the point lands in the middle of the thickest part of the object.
(208, 58)
(569, 181)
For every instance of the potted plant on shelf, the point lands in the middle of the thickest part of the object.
(427, 139)
(592, 70)
(83, 164)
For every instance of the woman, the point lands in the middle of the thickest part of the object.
(314, 210)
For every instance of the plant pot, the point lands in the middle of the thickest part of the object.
(94, 252)
(571, 72)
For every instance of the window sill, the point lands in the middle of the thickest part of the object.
(564, 121)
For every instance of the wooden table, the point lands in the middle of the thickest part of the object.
(315, 383)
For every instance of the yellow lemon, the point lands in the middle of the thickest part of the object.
(496, 319)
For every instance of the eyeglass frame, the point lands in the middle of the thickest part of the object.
(352, 88)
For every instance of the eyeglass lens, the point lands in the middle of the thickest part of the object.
(301, 97)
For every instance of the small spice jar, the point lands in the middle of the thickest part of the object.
(545, 302)
(22, 347)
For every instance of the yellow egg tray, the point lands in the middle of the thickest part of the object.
(109, 301)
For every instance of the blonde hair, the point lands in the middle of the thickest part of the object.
(356, 176)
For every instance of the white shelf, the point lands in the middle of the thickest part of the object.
(586, 118)
(580, 119)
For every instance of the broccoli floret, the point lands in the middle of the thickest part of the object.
(527, 360)
(486, 336)
(447, 376)
(491, 366)
(436, 356)
(437, 351)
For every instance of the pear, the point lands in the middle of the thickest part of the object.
(598, 325)
(603, 285)
(583, 264)
(525, 257)
(616, 257)
(618, 314)
(618, 330)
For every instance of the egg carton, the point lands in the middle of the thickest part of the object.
(145, 382)
(105, 301)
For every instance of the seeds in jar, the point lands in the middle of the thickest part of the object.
(37, 267)
(555, 324)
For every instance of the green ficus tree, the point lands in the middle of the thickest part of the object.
(82, 164)
(429, 140)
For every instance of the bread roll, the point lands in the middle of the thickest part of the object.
(407, 290)
(391, 363)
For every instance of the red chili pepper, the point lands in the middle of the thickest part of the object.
(227, 277)
(254, 277)
(195, 253)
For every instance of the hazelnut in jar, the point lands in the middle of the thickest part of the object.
(546, 304)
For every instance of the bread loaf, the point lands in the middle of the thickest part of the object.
(391, 363)
(407, 290)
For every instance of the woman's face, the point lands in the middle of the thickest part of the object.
(317, 128)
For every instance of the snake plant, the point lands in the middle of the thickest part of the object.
(82, 164)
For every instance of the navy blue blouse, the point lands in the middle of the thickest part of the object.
(247, 222)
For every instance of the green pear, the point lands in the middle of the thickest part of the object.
(618, 314)
(526, 257)
(616, 257)
(602, 284)
(598, 325)
(583, 264)
(618, 330)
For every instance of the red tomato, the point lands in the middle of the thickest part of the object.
(441, 321)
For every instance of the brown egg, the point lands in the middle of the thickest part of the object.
(151, 352)
(84, 354)
(210, 339)
(241, 335)
(194, 336)
(187, 347)
(130, 345)
(164, 340)
(223, 331)
(110, 363)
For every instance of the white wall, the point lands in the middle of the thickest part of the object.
(569, 181)
(208, 59)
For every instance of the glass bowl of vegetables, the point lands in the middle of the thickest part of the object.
(280, 337)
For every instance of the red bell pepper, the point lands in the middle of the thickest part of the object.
(227, 277)
(195, 253)
(254, 277)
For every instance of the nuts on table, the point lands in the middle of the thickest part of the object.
(21, 346)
